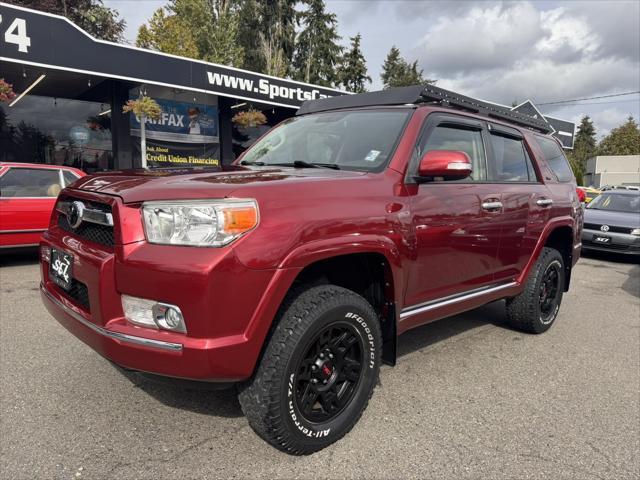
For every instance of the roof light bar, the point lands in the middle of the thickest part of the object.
(27, 90)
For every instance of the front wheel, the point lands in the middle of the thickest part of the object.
(536, 308)
(318, 370)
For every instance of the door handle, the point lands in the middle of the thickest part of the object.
(544, 202)
(491, 206)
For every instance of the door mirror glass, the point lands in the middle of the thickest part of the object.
(448, 164)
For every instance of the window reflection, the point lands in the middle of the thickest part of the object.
(57, 132)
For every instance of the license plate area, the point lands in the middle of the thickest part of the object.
(602, 239)
(61, 269)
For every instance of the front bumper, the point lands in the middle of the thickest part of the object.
(227, 307)
(622, 243)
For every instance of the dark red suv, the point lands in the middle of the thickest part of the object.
(292, 272)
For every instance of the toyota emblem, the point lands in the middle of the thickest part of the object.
(74, 214)
(604, 228)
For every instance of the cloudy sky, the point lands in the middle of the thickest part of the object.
(547, 51)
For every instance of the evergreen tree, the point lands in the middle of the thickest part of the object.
(584, 147)
(352, 73)
(317, 52)
(267, 35)
(396, 72)
(90, 15)
(623, 140)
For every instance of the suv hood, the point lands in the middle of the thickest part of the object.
(172, 184)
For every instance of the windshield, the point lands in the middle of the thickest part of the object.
(616, 202)
(350, 140)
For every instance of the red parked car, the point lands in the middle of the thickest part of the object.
(28, 193)
(292, 272)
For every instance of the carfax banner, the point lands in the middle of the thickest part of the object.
(180, 122)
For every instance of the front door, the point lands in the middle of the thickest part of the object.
(456, 224)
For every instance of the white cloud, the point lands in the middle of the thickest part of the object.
(485, 38)
(605, 120)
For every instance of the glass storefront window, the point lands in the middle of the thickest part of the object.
(58, 131)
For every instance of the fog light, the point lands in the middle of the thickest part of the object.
(636, 232)
(45, 254)
(169, 317)
(139, 311)
(149, 313)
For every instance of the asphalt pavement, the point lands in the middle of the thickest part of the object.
(469, 398)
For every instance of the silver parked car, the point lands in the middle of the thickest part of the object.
(612, 222)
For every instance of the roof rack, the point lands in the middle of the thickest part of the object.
(417, 94)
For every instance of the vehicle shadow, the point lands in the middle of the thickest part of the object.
(632, 284)
(208, 399)
(18, 258)
(197, 397)
(610, 257)
(432, 333)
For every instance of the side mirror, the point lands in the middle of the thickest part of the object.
(449, 164)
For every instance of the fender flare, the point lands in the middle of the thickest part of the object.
(311, 252)
(559, 222)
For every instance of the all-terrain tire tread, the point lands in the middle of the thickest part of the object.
(259, 396)
(522, 310)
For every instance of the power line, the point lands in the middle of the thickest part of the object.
(588, 98)
(593, 103)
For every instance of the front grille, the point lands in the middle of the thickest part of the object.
(78, 293)
(93, 232)
(612, 229)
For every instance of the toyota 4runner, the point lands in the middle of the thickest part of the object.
(292, 272)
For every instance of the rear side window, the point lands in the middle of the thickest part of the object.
(30, 182)
(510, 162)
(461, 139)
(555, 159)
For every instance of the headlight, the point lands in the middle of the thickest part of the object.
(635, 231)
(206, 223)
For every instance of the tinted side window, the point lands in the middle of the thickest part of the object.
(510, 162)
(555, 158)
(468, 141)
(30, 182)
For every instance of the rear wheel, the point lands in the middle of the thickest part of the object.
(318, 370)
(536, 308)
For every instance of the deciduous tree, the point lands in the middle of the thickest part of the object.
(90, 15)
(623, 140)
(203, 29)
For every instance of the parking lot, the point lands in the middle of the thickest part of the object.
(469, 398)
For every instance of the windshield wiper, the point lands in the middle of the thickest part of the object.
(303, 164)
(295, 164)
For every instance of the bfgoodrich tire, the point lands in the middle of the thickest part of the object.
(317, 372)
(536, 308)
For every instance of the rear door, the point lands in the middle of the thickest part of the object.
(27, 197)
(525, 200)
(456, 224)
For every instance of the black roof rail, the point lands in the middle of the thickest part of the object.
(417, 94)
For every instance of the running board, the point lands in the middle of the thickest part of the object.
(452, 299)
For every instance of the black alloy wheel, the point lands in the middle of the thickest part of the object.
(549, 292)
(536, 308)
(329, 373)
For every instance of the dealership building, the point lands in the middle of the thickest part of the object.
(70, 90)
